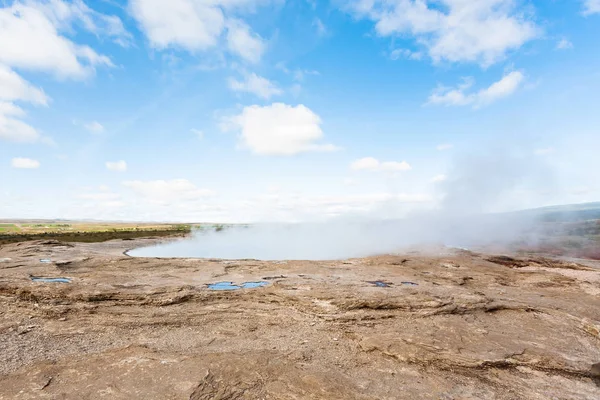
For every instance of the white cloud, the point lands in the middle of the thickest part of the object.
(459, 97)
(297, 74)
(300, 74)
(321, 28)
(13, 87)
(102, 203)
(591, 7)
(438, 178)
(24, 163)
(279, 129)
(118, 166)
(100, 196)
(290, 207)
(188, 24)
(13, 129)
(198, 133)
(30, 39)
(454, 30)
(544, 151)
(65, 14)
(373, 164)
(256, 85)
(195, 25)
(164, 192)
(564, 44)
(396, 54)
(94, 127)
(444, 146)
(243, 42)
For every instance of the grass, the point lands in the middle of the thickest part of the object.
(85, 231)
(8, 228)
(92, 227)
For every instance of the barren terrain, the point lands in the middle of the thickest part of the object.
(436, 324)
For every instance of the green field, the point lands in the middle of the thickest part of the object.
(72, 231)
(85, 231)
(9, 228)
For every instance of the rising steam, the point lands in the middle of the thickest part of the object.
(477, 186)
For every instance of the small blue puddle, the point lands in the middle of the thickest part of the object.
(380, 283)
(231, 286)
(46, 261)
(384, 284)
(51, 280)
(254, 285)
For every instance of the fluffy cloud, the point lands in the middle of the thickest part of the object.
(24, 163)
(459, 97)
(256, 85)
(243, 42)
(453, 30)
(94, 127)
(100, 202)
(14, 88)
(164, 192)
(118, 166)
(65, 14)
(279, 129)
(373, 164)
(591, 7)
(564, 44)
(189, 24)
(438, 178)
(30, 39)
(12, 129)
(405, 53)
(295, 207)
(196, 25)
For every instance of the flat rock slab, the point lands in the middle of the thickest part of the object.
(446, 325)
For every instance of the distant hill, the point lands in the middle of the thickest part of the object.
(565, 213)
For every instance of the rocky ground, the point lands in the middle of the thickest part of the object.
(439, 324)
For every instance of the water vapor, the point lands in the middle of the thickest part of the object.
(466, 217)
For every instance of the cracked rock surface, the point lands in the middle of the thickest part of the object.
(447, 324)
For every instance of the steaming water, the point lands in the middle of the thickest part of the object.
(334, 240)
(480, 182)
(278, 242)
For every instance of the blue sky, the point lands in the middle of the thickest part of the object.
(250, 110)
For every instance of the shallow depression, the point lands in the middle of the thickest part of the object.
(332, 241)
(50, 280)
(232, 286)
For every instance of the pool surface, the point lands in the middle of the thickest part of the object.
(51, 280)
(231, 286)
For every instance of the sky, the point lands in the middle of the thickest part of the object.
(280, 110)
